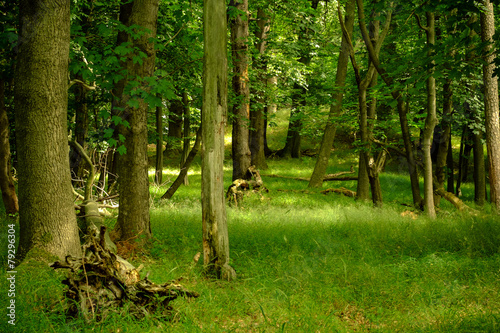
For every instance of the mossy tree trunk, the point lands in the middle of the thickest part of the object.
(47, 216)
(213, 118)
(133, 218)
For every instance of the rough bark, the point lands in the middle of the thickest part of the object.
(215, 234)
(258, 123)
(46, 216)
(133, 219)
(241, 108)
(336, 107)
(7, 187)
(491, 103)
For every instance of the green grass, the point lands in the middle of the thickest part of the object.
(306, 262)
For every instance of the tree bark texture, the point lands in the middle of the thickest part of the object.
(241, 108)
(133, 218)
(257, 115)
(430, 120)
(335, 109)
(47, 216)
(7, 187)
(491, 103)
(213, 118)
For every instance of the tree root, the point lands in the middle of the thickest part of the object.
(102, 282)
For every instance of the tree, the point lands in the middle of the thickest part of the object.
(241, 108)
(7, 187)
(335, 109)
(491, 102)
(402, 106)
(215, 235)
(431, 119)
(133, 218)
(258, 114)
(46, 213)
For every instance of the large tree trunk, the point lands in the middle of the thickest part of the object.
(491, 102)
(336, 107)
(258, 122)
(133, 218)
(47, 216)
(241, 109)
(7, 187)
(215, 235)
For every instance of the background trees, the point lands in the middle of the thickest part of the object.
(426, 74)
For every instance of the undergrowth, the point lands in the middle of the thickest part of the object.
(306, 262)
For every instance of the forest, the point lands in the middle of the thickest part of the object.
(249, 166)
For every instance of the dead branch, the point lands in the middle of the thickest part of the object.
(102, 282)
(341, 190)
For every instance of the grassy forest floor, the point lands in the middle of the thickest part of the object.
(306, 262)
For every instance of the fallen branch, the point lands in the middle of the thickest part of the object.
(329, 177)
(454, 200)
(341, 190)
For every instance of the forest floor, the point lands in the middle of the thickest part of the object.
(306, 262)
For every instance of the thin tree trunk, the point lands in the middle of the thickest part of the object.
(402, 107)
(7, 187)
(159, 144)
(336, 107)
(175, 112)
(184, 168)
(241, 108)
(46, 213)
(443, 143)
(491, 103)
(450, 187)
(479, 171)
(215, 234)
(258, 118)
(431, 119)
(186, 133)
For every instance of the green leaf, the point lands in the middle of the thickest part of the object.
(121, 150)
